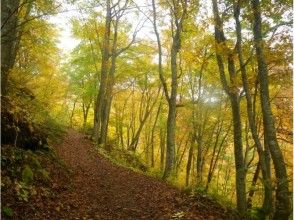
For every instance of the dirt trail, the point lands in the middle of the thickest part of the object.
(102, 190)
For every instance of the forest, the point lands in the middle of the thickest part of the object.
(146, 109)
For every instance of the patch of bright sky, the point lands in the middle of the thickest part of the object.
(62, 21)
(66, 42)
(67, 11)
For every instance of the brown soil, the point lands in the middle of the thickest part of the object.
(98, 189)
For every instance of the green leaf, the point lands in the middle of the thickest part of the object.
(27, 175)
(45, 174)
(8, 211)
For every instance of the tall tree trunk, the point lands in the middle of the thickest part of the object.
(200, 128)
(189, 161)
(253, 128)
(107, 106)
(232, 92)
(171, 119)
(115, 16)
(238, 153)
(9, 39)
(170, 139)
(199, 161)
(181, 156)
(104, 75)
(109, 88)
(153, 131)
(162, 137)
(179, 16)
(210, 170)
(282, 209)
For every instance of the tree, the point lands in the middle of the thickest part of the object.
(105, 55)
(250, 113)
(282, 194)
(110, 52)
(233, 93)
(179, 14)
(16, 16)
(9, 39)
(83, 79)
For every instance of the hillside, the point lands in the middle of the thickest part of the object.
(98, 189)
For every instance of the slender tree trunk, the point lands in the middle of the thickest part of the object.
(227, 177)
(210, 171)
(135, 139)
(201, 155)
(109, 88)
(265, 173)
(171, 119)
(282, 209)
(153, 131)
(72, 113)
(199, 164)
(180, 157)
(142, 119)
(253, 184)
(199, 161)
(179, 13)
(170, 139)
(189, 161)
(238, 153)
(117, 126)
(200, 129)
(193, 132)
(85, 114)
(104, 75)
(232, 92)
(162, 148)
(106, 112)
(220, 149)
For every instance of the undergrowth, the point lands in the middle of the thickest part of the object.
(27, 160)
(124, 158)
(26, 176)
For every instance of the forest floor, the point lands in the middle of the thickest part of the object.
(99, 189)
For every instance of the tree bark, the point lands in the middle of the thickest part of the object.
(253, 184)
(9, 39)
(170, 132)
(114, 14)
(232, 92)
(162, 148)
(252, 123)
(104, 74)
(171, 119)
(189, 161)
(109, 88)
(153, 131)
(86, 108)
(282, 209)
